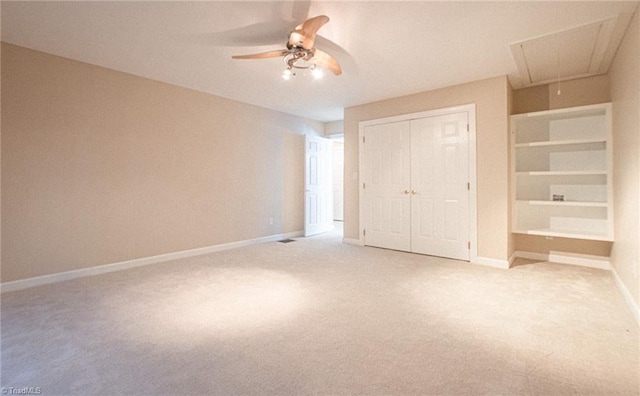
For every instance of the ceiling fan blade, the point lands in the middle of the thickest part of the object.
(327, 61)
(263, 55)
(304, 35)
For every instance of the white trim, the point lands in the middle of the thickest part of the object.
(530, 256)
(473, 193)
(471, 107)
(123, 265)
(473, 184)
(628, 297)
(512, 259)
(491, 262)
(583, 260)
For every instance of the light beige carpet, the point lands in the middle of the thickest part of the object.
(319, 317)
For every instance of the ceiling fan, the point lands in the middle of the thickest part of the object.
(300, 52)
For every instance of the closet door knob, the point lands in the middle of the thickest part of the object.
(414, 192)
(406, 192)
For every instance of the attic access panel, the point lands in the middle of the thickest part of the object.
(574, 53)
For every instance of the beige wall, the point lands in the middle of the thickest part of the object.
(333, 128)
(530, 99)
(491, 99)
(625, 94)
(579, 92)
(100, 166)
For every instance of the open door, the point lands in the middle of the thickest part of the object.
(318, 200)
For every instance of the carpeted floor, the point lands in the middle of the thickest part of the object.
(316, 316)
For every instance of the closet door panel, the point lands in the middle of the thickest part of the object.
(439, 176)
(387, 180)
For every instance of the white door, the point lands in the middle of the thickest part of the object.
(318, 200)
(387, 199)
(439, 186)
(415, 189)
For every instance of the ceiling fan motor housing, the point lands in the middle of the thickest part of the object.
(300, 52)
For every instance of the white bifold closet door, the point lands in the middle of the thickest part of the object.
(416, 185)
(387, 170)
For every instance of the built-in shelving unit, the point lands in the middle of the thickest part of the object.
(562, 173)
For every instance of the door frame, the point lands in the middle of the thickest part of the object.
(473, 192)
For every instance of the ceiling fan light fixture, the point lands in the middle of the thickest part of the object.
(299, 59)
(317, 73)
(287, 74)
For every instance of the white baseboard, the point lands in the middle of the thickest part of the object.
(584, 260)
(530, 256)
(628, 297)
(123, 265)
(490, 262)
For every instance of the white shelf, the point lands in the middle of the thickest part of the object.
(563, 152)
(568, 113)
(561, 173)
(561, 233)
(547, 143)
(567, 203)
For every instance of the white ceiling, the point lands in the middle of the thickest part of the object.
(386, 49)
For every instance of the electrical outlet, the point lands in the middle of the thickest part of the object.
(270, 220)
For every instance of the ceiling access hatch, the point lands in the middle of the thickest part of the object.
(574, 53)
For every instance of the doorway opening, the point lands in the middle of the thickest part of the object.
(324, 193)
